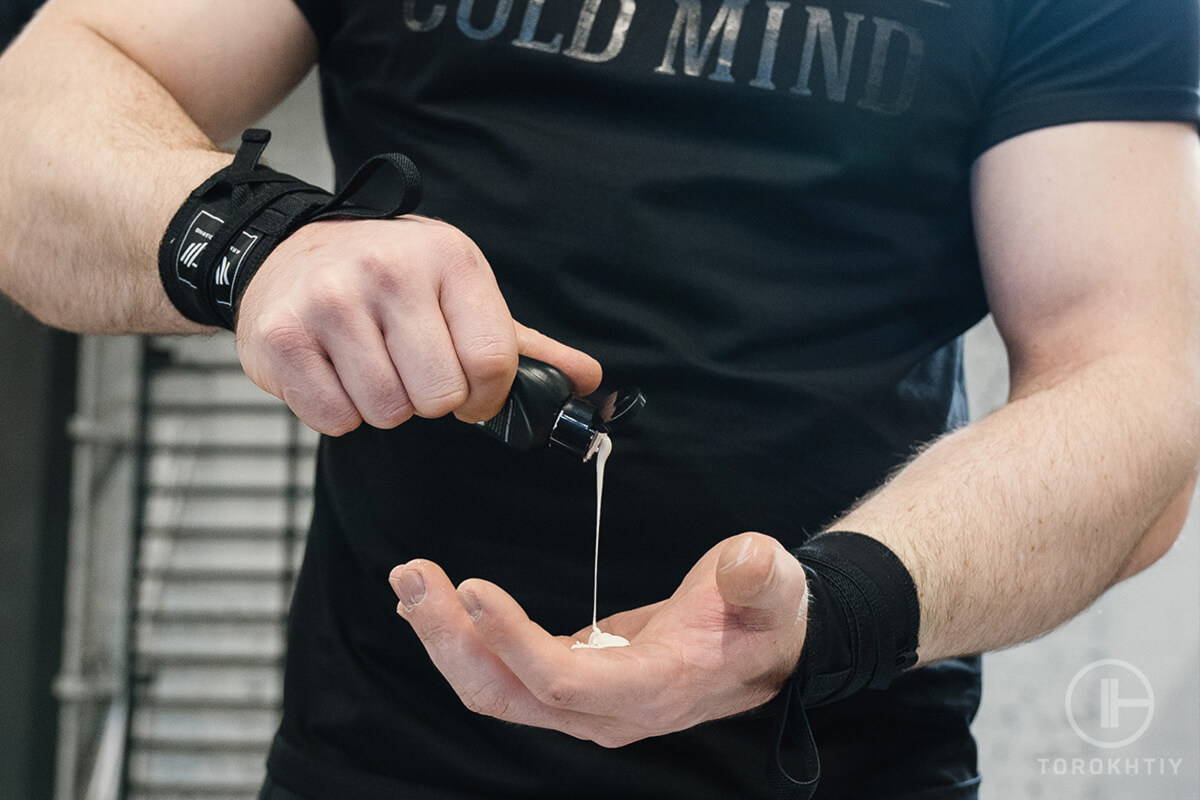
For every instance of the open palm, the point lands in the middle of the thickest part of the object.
(722, 643)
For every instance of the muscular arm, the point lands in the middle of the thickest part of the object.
(1009, 527)
(1090, 240)
(108, 111)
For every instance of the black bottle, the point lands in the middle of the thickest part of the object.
(543, 411)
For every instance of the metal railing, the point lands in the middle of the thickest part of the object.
(90, 686)
(142, 472)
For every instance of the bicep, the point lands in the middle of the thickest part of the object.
(226, 62)
(1089, 241)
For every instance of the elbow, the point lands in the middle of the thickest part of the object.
(43, 313)
(1164, 531)
(1161, 536)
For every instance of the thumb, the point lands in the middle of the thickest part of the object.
(583, 370)
(762, 579)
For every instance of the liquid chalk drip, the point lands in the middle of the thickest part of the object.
(599, 638)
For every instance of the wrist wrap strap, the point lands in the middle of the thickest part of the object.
(863, 617)
(229, 224)
(863, 623)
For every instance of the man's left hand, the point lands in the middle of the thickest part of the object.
(723, 643)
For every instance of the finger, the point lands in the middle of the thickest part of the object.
(624, 623)
(368, 375)
(583, 370)
(485, 339)
(424, 356)
(611, 681)
(762, 580)
(479, 678)
(298, 372)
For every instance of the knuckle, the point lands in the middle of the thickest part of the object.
(321, 407)
(473, 700)
(330, 421)
(440, 397)
(479, 408)
(329, 303)
(611, 740)
(389, 412)
(383, 274)
(438, 638)
(339, 427)
(381, 398)
(487, 699)
(490, 358)
(254, 369)
(336, 407)
(581, 732)
(335, 418)
(453, 251)
(286, 340)
(558, 692)
(604, 740)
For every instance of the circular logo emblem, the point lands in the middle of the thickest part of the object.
(1110, 703)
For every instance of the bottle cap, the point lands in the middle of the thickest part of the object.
(578, 424)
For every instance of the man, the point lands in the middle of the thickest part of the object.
(776, 219)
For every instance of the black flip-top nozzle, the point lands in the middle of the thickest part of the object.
(542, 410)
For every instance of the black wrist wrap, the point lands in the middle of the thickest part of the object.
(230, 224)
(863, 622)
(863, 617)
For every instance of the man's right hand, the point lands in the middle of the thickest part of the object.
(378, 320)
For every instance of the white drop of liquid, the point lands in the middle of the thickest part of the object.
(599, 638)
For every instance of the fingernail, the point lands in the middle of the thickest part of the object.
(409, 586)
(470, 602)
(744, 552)
(394, 577)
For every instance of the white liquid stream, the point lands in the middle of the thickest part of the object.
(599, 638)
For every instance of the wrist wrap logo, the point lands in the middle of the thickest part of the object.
(196, 240)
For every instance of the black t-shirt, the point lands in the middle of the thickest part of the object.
(13, 16)
(759, 213)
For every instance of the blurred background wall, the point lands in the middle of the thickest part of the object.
(37, 392)
(36, 395)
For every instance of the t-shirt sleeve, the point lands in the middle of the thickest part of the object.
(1080, 60)
(322, 16)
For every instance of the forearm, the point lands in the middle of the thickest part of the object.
(95, 157)
(1015, 524)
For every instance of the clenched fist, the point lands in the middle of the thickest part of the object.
(378, 320)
